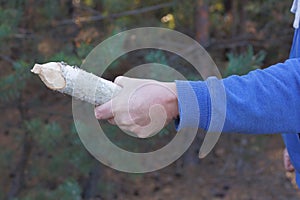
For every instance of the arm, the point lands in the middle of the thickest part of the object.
(263, 101)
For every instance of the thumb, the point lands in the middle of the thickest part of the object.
(121, 80)
(125, 81)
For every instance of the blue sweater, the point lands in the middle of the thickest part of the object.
(263, 101)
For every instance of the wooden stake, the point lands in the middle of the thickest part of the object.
(76, 82)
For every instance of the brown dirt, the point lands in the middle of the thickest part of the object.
(241, 167)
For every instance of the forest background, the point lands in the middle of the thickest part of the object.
(41, 154)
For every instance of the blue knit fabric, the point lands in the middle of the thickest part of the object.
(261, 102)
(292, 141)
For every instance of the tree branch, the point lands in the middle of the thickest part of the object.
(116, 15)
(7, 59)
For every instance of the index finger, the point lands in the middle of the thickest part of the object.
(104, 111)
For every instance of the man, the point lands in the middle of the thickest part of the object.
(263, 101)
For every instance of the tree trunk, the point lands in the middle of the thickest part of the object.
(90, 189)
(202, 22)
(18, 175)
(239, 17)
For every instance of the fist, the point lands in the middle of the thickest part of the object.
(143, 106)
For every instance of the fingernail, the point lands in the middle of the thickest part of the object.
(97, 114)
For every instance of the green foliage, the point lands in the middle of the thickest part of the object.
(6, 156)
(89, 3)
(245, 62)
(84, 49)
(58, 157)
(71, 59)
(156, 57)
(51, 139)
(67, 54)
(264, 11)
(51, 9)
(11, 86)
(183, 18)
(110, 5)
(9, 20)
(77, 154)
(107, 189)
(46, 135)
(68, 190)
(1, 193)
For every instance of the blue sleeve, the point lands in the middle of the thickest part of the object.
(263, 101)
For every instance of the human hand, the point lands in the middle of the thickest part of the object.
(287, 161)
(143, 106)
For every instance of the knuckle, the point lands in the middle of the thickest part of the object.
(118, 80)
(136, 130)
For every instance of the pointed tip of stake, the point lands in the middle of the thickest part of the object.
(36, 69)
(51, 75)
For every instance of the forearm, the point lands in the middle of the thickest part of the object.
(264, 101)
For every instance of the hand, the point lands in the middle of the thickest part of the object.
(287, 162)
(143, 106)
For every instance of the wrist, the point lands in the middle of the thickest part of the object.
(172, 100)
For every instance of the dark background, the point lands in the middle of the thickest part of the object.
(41, 154)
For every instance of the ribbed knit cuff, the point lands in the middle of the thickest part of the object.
(298, 179)
(194, 105)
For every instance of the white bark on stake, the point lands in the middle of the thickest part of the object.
(76, 82)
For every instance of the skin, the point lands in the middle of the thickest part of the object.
(287, 162)
(144, 107)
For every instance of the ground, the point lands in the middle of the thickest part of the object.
(241, 167)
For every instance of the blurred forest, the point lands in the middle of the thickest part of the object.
(41, 154)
